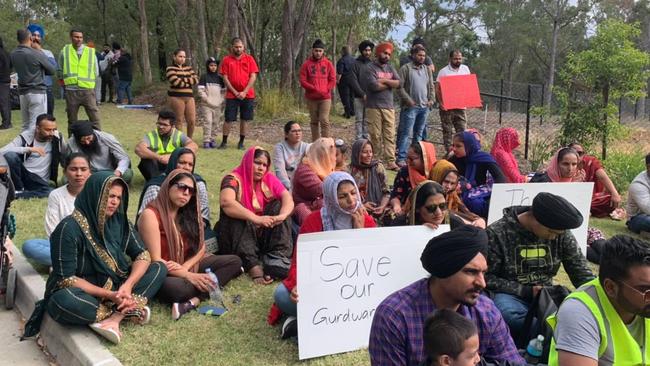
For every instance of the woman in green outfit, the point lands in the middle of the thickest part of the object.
(92, 280)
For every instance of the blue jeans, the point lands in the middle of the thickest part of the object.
(412, 123)
(38, 250)
(639, 223)
(27, 184)
(124, 91)
(514, 310)
(282, 297)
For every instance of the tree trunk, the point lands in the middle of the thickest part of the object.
(203, 39)
(293, 32)
(605, 124)
(551, 67)
(144, 42)
(232, 17)
(162, 54)
(217, 38)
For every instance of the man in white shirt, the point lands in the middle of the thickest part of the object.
(452, 117)
(60, 204)
(638, 202)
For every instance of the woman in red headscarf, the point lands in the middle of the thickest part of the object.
(420, 158)
(254, 221)
(505, 141)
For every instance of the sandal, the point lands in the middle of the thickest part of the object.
(139, 316)
(109, 334)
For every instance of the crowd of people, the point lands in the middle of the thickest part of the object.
(104, 269)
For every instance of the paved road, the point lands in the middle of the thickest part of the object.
(12, 351)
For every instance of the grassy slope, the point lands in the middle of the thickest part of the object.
(242, 336)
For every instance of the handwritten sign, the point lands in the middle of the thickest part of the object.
(459, 92)
(522, 194)
(343, 276)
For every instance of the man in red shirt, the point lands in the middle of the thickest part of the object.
(239, 71)
(318, 78)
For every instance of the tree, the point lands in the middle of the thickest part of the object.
(144, 42)
(293, 33)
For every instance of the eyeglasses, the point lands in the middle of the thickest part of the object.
(432, 208)
(646, 293)
(185, 188)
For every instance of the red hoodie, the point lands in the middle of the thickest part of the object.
(318, 78)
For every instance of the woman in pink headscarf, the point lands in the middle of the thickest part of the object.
(255, 222)
(505, 141)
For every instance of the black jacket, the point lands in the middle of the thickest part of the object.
(5, 65)
(353, 78)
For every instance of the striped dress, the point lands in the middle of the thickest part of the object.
(181, 79)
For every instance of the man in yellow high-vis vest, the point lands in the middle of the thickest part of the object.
(606, 321)
(78, 70)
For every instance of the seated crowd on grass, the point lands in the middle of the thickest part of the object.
(105, 270)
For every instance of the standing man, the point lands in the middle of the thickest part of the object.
(34, 157)
(416, 94)
(343, 72)
(106, 72)
(318, 78)
(38, 36)
(31, 65)
(124, 67)
(239, 71)
(379, 80)
(5, 87)
(455, 118)
(360, 120)
(78, 70)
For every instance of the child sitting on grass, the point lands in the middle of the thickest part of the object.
(450, 339)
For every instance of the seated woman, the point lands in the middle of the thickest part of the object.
(102, 273)
(427, 205)
(505, 141)
(370, 176)
(341, 155)
(288, 153)
(341, 210)
(307, 192)
(172, 230)
(445, 174)
(182, 158)
(420, 159)
(474, 165)
(605, 198)
(563, 167)
(254, 221)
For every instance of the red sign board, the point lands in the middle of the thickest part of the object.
(460, 91)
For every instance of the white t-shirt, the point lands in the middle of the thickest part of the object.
(449, 71)
(60, 203)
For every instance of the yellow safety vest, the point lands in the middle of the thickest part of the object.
(615, 340)
(157, 144)
(77, 70)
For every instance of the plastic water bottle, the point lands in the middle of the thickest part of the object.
(215, 292)
(535, 349)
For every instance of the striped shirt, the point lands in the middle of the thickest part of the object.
(396, 336)
(181, 79)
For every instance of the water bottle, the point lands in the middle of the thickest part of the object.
(535, 349)
(215, 292)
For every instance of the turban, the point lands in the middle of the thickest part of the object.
(318, 44)
(383, 47)
(555, 212)
(36, 28)
(365, 44)
(82, 128)
(448, 253)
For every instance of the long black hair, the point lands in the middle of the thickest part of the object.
(188, 222)
(427, 190)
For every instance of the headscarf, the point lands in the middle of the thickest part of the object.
(440, 170)
(553, 170)
(321, 157)
(474, 155)
(175, 239)
(454, 202)
(374, 191)
(255, 195)
(428, 160)
(333, 216)
(506, 140)
(555, 212)
(382, 47)
(411, 203)
(448, 253)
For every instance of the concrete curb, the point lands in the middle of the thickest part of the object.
(70, 345)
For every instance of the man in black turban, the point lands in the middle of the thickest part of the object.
(457, 263)
(526, 247)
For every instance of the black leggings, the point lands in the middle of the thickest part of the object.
(176, 289)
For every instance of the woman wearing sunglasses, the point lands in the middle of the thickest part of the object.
(172, 231)
(427, 205)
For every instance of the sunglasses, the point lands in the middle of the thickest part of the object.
(645, 294)
(185, 188)
(432, 208)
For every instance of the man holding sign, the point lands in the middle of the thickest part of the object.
(453, 117)
(527, 246)
(456, 261)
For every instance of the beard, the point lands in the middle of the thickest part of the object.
(91, 149)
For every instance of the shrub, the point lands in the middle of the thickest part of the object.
(622, 167)
(273, 104)
(541, 150)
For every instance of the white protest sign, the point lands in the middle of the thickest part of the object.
(522, 194)
(343, 275)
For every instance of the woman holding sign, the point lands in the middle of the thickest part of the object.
(342, 209)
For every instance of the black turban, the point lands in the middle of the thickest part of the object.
(365, 44)
(448, 253)
(318, 44)
(555, 212)
(82, 128)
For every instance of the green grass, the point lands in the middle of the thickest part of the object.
(242, 336)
